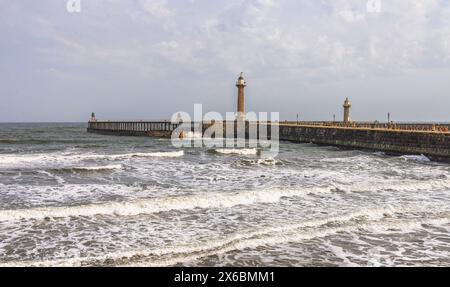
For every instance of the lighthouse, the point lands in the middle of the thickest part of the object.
(347, 105)
(240, 84)
(93, 118)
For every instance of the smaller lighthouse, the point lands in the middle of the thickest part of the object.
(347, 105)
(93, 118)
(240, 84)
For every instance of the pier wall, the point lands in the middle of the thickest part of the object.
(435, 145)
(374, 125)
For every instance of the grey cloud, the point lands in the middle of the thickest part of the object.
(149, 58)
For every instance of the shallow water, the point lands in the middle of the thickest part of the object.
(78, 199)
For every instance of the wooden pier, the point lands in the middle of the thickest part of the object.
(132, 128)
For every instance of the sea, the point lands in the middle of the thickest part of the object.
(69, 198)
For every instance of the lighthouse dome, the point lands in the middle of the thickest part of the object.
(241, 80)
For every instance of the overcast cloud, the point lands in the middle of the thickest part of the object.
(145, 59)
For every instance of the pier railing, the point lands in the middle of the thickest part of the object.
(437, 127)
(132, 126)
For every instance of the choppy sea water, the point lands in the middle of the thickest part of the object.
(68, 198)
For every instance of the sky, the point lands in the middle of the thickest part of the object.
(147, 59)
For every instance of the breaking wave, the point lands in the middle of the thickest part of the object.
(155, 205)
(12, 159)
(419, 158)
(67, 194)
(207, 200)
(105, 167)
(90, 168)
(378, 220)
(263, 161)
(30, 141)
(250, 151)
(148, 154)
(193, 135)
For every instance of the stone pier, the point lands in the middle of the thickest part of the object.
(430, 140)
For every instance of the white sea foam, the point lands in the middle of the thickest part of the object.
(58, 179)
(207, 200)
(154, 205)
(193, 135)
(374, 220)
(98, 168)
(8, 160)
(249, 151)
(396, 185)
(269, 161)
(419, 158)
(349, 159)
(33, 196)
(261, 161)
(148, 154)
